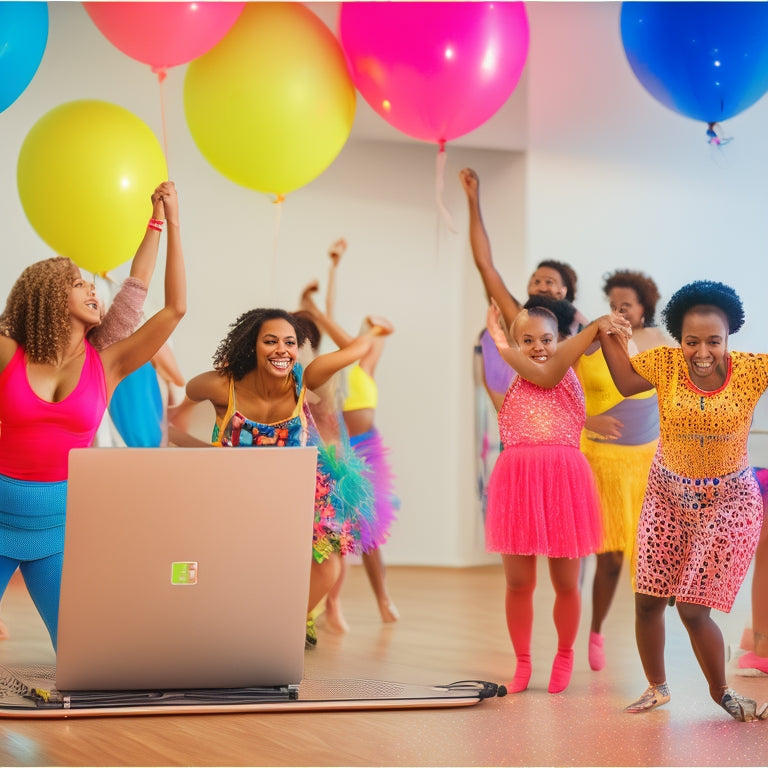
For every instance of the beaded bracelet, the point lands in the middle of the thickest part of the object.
(156, 224)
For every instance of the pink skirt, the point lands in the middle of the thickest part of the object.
(696, 536)
(542, 500)
(371, 449)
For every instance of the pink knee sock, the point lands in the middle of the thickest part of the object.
(562, 667)
(596, 652)
(567, 612)
(519, 609)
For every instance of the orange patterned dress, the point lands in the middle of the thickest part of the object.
(702, 510)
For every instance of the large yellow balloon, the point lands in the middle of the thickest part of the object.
(271, 106)
(85, 174)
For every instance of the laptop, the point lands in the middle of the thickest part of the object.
(185, 568)
(184, 590)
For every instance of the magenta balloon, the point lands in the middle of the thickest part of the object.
(435, 70)
(164, 34)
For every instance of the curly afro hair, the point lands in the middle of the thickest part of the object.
(641, 284)
(703, 293)
(567, 275)
(563, 311)
(236, 352)
(36, 313)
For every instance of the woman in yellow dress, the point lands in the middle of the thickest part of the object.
(619, 442)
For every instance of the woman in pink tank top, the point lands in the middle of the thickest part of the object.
(54, 388)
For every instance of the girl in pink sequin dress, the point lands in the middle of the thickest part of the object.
(542, 498)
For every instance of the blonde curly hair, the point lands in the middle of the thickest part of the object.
(36, 313)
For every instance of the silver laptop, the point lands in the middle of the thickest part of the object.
(185, 568)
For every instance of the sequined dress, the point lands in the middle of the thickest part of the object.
(343, 494)
(542, 498)
(703, 510)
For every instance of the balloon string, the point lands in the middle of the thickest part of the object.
(440, 186)
(276, 241)
(161, 75)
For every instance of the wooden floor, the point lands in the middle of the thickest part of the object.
(451, 628)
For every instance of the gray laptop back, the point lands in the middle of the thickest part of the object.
(185, 568)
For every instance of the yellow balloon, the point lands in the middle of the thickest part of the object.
(85, 174)
(271, 106)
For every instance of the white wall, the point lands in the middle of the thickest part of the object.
(611, 179)
(615, 179)
(402, 262)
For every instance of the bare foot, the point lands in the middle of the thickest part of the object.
(389, 612)
(333, 619)
(381, 324)
(4, 633)
(306, 302)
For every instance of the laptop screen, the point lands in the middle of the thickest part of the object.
(185, 568)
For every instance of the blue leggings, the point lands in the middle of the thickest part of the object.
(43, 580)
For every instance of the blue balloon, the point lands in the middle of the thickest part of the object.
(136, 409)
(23, 37)
(705, 60)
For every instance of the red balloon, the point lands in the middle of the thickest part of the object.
(164, 34)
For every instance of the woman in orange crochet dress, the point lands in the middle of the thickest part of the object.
(619, 441)
(702, 512)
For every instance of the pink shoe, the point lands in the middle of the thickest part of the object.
(752, 665)
(596, 652)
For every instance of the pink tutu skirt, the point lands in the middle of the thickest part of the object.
(369, 447)
(542, 500)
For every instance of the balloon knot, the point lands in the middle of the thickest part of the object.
(279, 199)
(715, 135)
(161, 73)
(441, 145)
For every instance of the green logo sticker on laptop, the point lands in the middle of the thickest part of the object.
(183, 574)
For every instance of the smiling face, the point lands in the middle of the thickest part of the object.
(536, 335)
(704, 341)
(546, 281)
(84, 304)
(276, 348)
(626, 303)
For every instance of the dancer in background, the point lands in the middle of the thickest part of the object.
(542, 498)
(54, 389)
(359, 410)
(703, 511)
(619, 441)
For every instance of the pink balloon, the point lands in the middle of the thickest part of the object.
(164, 34)
(435, 70)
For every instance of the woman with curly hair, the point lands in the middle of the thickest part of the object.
(702, 512)
(619, 441)
(54, 389)
(258, 390)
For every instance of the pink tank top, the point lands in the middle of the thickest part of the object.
(531, 414)
(36, 436)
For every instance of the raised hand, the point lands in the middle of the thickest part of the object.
(470, 182)
(336, 251)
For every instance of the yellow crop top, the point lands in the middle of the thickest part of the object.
(362, 390)
(704, 434)
(599, 390)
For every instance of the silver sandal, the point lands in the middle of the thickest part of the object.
(740, 707)
(654, 696)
